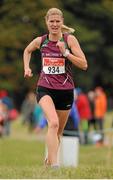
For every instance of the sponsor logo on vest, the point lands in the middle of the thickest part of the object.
(44, 45)
(69, 105)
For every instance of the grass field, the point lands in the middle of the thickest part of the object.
(21, 156)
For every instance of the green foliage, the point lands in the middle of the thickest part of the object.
(21, 21)
(94, 29)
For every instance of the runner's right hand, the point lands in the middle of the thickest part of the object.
(28, 73)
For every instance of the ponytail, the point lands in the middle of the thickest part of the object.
(66, 29)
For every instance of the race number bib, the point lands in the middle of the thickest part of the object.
(53, 65)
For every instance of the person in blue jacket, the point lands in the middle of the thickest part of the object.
(71, 127)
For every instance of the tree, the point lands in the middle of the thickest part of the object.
(22, 20)
(94, 29)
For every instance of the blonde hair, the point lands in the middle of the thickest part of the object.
(66, 29)
(56, 11)
(53, 11)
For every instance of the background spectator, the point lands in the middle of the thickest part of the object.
(84, 110)
(100, 109)
(92, 120)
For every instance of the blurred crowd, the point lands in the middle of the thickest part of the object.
(87, 114)
(92, 108)
(8, 113)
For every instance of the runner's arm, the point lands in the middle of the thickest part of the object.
(35, 44)
(76, 56)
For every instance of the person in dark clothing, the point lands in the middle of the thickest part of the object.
(92, 120)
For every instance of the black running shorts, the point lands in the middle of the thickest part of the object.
(63, 99)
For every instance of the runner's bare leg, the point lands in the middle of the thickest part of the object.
(52, 141)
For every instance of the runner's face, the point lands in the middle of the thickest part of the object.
(54, 24)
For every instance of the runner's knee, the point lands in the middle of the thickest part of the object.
(54, 125)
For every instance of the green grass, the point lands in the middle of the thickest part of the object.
(22, 154)
(24, 159)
